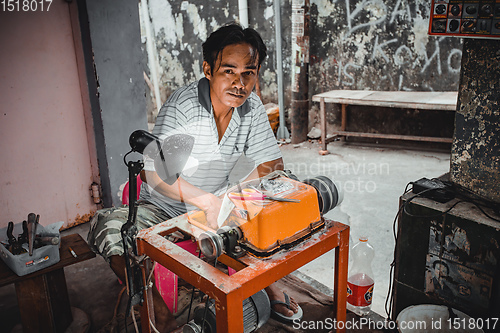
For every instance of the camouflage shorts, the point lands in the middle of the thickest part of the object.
(105, 238)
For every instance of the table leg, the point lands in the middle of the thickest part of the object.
(343, 118)
(322, 114)
(44, 303)
(229, 314)
(340, 283)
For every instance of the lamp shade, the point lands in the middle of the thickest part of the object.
(170, 155)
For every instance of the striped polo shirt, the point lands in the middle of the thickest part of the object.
(189, 110)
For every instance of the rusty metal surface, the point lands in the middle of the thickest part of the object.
(300, 70)
(252, 274)
(475, 155)
(79, 219)
(447, 259)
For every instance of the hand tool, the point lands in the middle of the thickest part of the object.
(10, 236)
(46, 239)
(23, 238)
(252, 194)
(14, 246)
(32, 222)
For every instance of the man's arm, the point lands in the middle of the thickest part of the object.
(183, 191)
(266, 168)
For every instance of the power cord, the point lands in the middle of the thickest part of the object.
(206, 305)
(447, 190)
(403, 208)
(192, 297)
(206, 301)
(389, 299)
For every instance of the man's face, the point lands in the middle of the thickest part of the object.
(441, 270)
(233, 77)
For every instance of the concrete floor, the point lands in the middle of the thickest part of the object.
(372, 179)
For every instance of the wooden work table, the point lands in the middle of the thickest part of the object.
(422, 100)
(42, 296)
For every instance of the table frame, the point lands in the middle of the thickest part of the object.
(423, 100)
(252, 274)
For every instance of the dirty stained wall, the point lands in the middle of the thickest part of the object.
(180, 28)
(380, 44)
(475, 159)
(364, 44)
(117, 57)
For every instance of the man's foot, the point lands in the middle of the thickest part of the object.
(281, 306)
(165, 320)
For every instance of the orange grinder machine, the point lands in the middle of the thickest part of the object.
(261, 217)
(268, 215)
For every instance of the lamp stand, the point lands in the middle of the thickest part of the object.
(135, 286)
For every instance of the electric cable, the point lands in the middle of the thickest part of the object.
(389, 298)
(153, 327)
(135, 321)
(462, 199)
(192, 296)
(404, 208)
(206, 305)
(148, 283)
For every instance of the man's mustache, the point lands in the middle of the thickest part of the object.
(237, 91)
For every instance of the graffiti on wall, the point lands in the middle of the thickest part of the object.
(354, 44)
(384, 45)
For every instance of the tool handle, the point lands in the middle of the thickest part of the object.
(32, 220)
(10, 236)
(47, 239)
(23, 238)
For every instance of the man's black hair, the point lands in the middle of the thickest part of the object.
(230, 34)
(442, 263)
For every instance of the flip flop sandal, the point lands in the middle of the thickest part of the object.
(281, 317)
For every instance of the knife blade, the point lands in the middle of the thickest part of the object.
(225, 209)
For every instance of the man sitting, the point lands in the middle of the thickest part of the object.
(226, 120)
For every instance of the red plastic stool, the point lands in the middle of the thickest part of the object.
(125, 193)
(167, 282)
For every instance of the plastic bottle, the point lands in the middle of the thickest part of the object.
(360, 278)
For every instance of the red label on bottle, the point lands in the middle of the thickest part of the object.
(359, 295)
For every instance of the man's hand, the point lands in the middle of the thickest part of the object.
(181, 190)
(266, 168)
(211, 209)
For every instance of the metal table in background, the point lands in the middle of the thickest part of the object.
(252, 274)
(422, 100)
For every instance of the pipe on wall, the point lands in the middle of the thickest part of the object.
(144, 9)
(300, 70)
(282, 133)
(243, 10)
